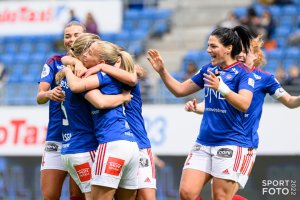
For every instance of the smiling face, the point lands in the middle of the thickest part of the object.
(247, 59)
(90, 57)
(219, 54)
(70, 34)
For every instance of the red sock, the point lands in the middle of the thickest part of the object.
(238, 197)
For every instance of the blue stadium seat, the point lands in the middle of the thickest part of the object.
(7, 59)
(275, 54)
(292, 53)
(240, 11)
(132, 14)
(11, 48)
(272, 65)
(287, 63)
(26, 47)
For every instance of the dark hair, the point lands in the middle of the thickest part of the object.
(236, 37)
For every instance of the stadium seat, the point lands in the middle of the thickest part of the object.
(240, 12)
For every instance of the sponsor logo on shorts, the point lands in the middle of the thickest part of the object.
(144, 162)
(114, 166)
(51, 146)
(84, 172)
(196, 147)
(225, 153)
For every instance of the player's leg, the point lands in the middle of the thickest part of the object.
(75, 192)
(191, 183)
(125, 194)
(146, 176)
(79, 167)
(53, 172)
(51, 183)
(146, 194)
(223, 189)
(103, 193)
(196, 172)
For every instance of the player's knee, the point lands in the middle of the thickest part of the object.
(51, 196)
(187, 194)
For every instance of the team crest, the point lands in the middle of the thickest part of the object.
(46, 71)
(228, 76)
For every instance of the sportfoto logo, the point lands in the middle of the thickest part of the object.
(279, 187)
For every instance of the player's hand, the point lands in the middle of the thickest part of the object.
(59, 76)
(79, 70)
(56, 94)
(212, 80)
(127, 96)
(191, 106)
(156, 60)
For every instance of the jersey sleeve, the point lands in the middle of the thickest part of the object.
(198, 77)
(247, 81)
(274, 88)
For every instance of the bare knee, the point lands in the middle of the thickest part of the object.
(187, 194)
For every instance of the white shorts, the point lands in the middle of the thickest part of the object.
(116, 165)
(146, 172)
(225, 162)
(79, 166)
(51, 157)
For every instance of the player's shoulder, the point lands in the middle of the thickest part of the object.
(242, 67)
(262, 74)
(54, 59)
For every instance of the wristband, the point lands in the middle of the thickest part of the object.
(223, 88)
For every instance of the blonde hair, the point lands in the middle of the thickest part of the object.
(256, 45)
(82, 43)
(111, 53)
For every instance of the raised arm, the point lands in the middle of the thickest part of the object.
(240, 100)
(290, 101)
(177, 88)
(101, 101)
(78, 85)
(44, 94)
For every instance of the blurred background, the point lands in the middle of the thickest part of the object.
(32, 31)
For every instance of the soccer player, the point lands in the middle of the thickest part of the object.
(229, 89)
(265, 83)
(53, 172)
(79, 140)
(116, 164)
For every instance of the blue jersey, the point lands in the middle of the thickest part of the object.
(77, 123)
(51, 67)
(110, 124)
(264, 83)
(135, 119)
(222, 124)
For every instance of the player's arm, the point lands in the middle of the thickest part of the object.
(78, 85)
(241, 100)
(290, 101)
(115, 72)
(192, 106)
(177, 88)
(101, 101)
(80, 69)
(44, 94)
